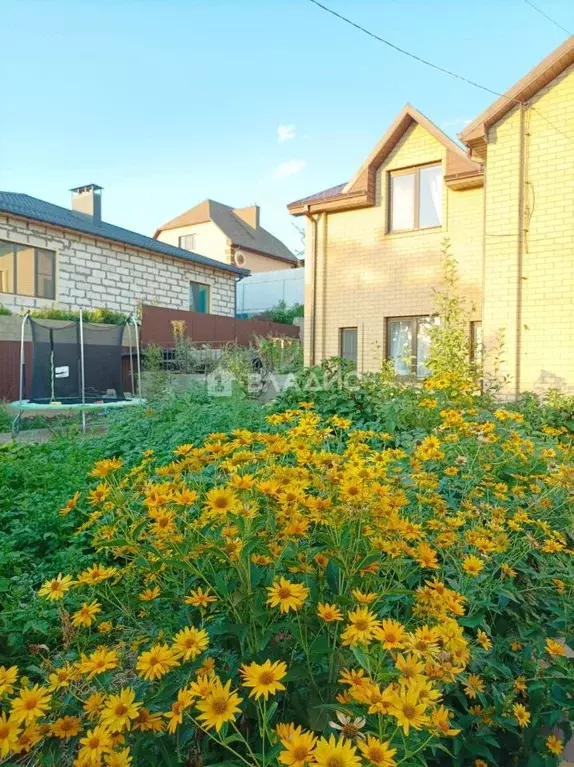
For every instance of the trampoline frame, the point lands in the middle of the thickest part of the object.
(131, 322)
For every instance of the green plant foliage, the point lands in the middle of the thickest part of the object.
(282, 313)
(102, 315)
(4, 311)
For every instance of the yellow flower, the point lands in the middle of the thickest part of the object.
(27, 740)
(175, 716)
(105, 627)
(440, 719)
(298, 747)
(426, 556)
(57, 587)
(555, 648)
(407, 709)
(189, 643)
(106, 466)
(66, 727)
(520, 684)
(96, 574)
(148, 722)
(62, 676)
(474, 685)
(30, 704)
(472, 565)
(287, 595)
(378, 752)
(121, 758)
(554, 745)
(484, 639)
(335, 753)
(221, 500)
(7, 678)
(409, 666)
(148, 595)
(119, 710)
(85, 616)
(100, 661)
(507, 570)
(362, 598)
(202, 686)
(521, 714)
(329, 613)
(264, 679)
(156, 662)
(94, 745)
(362, 627)
(220, 706)
(9, 732)
(199, 598)
(94, 703)
(392, 634)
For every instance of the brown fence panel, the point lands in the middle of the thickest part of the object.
(10, 368)
(210, 329)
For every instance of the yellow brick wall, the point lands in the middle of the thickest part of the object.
(536, 311)
(365, 275)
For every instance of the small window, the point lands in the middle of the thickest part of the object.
(199, 295)
(348, 344)
(416, 198)
(187, 242)
(408, 344)
(27, 271)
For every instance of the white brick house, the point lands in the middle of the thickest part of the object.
(54, 257)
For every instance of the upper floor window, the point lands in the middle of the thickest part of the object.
(416, 198)
(188, 242)
(27, 271)
(199, 295)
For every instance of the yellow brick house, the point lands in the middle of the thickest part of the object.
(505, 202)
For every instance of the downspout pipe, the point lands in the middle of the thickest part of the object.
(520, 249)
(313, 319)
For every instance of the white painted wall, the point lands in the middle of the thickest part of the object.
(265, 290)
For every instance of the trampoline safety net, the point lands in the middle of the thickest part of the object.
(57, 363)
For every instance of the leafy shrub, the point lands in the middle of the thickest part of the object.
(101, 315)
(263, 591)
(282, 313)
(4, 311)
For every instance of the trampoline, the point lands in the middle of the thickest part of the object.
(77, 367)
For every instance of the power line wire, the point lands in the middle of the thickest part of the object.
(403, 51)
(449, 72)
(542, 13)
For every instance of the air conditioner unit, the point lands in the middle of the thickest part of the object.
(238, 258)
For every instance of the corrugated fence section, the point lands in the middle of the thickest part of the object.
(211, 329)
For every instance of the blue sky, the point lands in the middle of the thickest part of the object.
(167, 102)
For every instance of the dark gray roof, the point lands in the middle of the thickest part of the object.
(31, 207)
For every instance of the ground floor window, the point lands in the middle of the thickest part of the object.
(348, 344)
(408, 344)
(27, 271)
(199, 295)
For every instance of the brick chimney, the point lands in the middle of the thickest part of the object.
(88, 199)
(249, 215)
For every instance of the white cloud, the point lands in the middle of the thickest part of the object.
(289, 168)
(285, 132)
(458, 122)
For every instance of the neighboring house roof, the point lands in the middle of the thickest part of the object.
(235, 228)
(527, 87)
(461, 171)
(24, 206)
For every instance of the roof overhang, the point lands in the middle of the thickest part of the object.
(475, 134)
(460, 171)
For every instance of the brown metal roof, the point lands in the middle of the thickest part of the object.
(360, 190)
(234, 227)
(538, 78)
